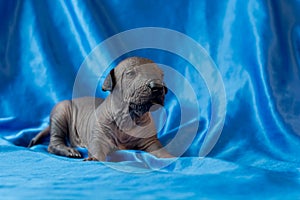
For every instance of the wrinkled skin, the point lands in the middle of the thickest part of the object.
(121, 121)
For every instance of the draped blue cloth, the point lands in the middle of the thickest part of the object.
(253, 45)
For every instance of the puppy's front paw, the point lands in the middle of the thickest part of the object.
(90, 159)
(73, 153)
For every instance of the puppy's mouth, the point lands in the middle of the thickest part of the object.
(138, 110)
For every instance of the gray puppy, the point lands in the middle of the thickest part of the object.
(121, 121)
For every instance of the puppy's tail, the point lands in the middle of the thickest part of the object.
(38, 138)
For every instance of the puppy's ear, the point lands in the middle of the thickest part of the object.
(109, 82)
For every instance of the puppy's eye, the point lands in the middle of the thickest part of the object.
(130, 73)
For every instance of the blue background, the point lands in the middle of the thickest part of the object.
(255, 46)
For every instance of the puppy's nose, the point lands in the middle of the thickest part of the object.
(156, 86)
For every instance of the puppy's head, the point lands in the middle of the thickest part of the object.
(139, 84)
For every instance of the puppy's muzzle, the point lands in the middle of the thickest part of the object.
(157, 88)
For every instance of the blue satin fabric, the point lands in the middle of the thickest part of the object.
(255, 46)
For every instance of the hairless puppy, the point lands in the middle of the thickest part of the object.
(120, 121)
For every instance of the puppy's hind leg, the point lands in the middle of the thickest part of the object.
(59, 131)
(37, 139)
